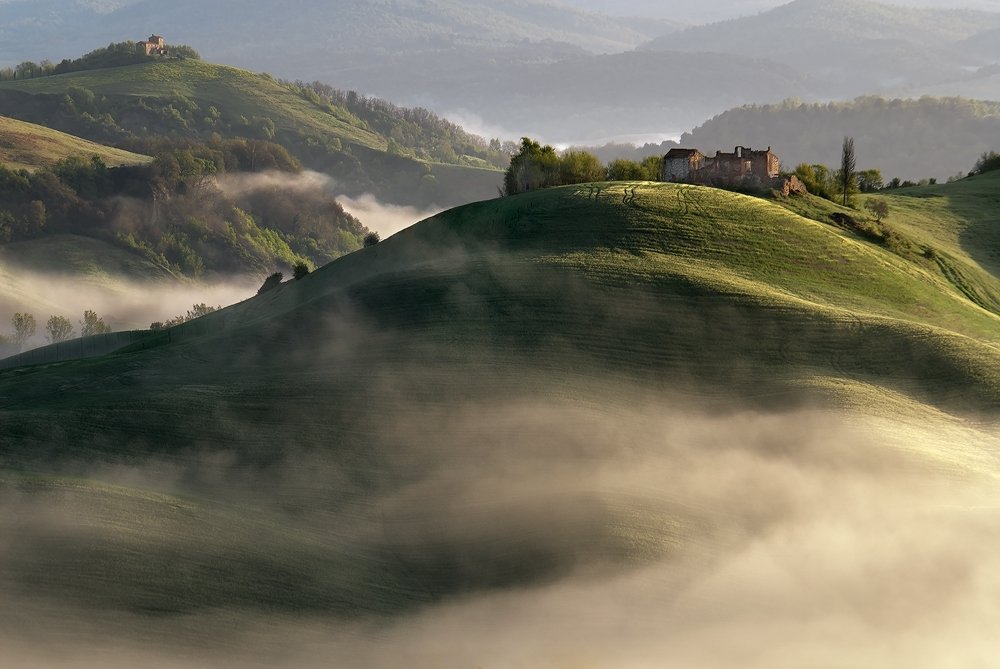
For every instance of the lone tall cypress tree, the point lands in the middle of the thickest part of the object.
(848, 166)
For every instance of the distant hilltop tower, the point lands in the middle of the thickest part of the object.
(154, 46)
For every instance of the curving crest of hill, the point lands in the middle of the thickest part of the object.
(198, 100)
(560, 388)
(29, 146)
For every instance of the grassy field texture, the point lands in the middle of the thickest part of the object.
(569, 387)
(238, 91)
(29, 146)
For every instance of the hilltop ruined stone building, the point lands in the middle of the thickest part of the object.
(742, 167)
(154, 46)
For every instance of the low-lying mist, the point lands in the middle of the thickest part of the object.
(541, 533)
(384, 218)
(123, 304)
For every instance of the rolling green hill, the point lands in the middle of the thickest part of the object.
(29, 146)
(192, 99)
(510, 396)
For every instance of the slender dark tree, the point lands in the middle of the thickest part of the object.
(848, 167)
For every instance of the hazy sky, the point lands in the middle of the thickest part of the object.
(717, 10)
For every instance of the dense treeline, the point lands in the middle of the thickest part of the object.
(413, 131)
(399, 175)
(197, 209)
(535, 166)
(910, 139)
(116, 54)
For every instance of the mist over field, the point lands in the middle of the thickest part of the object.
(122, 303)
(765, 539)
(557, 412)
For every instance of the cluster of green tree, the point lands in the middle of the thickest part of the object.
(57, 328)
(829, 183)
(903, 137)
(535, 166)
(397, 175)
(411, 131)
(174, 213)
(196, 311)
(116, 54)
(988, 162)
(117, 118)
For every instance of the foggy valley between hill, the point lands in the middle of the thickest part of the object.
(766, 539)
(481, 350)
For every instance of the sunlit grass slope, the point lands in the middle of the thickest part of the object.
(238, 91)
(961, 222)
(29, 146)
(280, 431)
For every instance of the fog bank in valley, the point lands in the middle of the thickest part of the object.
(123, 304)
(699, 539)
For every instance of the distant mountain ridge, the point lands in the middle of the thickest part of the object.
(905, 138)
(787, 30)
(238, 31)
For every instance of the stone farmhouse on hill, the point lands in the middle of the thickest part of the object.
(742, 167)
(154, 46)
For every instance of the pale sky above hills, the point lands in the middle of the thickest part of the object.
(719, 10)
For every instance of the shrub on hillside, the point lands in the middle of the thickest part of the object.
(271, 282)
(879, 209)
(300, 270)
(988, 162)
(372, 238)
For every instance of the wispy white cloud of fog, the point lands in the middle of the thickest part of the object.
(385, 219)
(235, 185)
(123, 304)
(762, 540)
(474, 123)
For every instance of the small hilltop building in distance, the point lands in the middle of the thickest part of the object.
(154, 46)
(742, 167)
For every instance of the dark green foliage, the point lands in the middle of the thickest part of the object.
(580, 167)
(336, 138)
(988, 162)
(372, 238)
(534, 166)
(874, 231)
(116, 54)
(301, 270)
(175, 213)
(411, 131)
(271, 282)
(818, 179)
(197, 311)
(625, 170)
(870, 181)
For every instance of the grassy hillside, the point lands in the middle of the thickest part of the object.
(237, 91)
(510, 396)
(960, 221)
(29, 146)
(197, 100)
